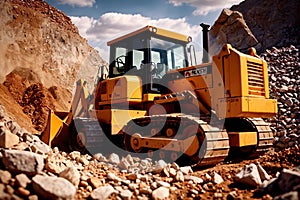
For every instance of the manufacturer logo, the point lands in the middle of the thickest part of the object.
(196, 72)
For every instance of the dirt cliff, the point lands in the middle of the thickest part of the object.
(40, 46)
(274, 23)
(262, 24)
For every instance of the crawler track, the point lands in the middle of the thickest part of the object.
(205, 143)
(87, 136)
(265, 137)
(210, 144)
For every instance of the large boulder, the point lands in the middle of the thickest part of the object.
(53, 188)
(230, 28)
(285, 186)
(102, 192)
(23, 162)
(248, 176)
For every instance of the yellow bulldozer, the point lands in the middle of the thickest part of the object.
(154, 99)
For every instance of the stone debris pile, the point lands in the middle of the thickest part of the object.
(252, 175)
(284, 83)
(29, 169)
(285, 186)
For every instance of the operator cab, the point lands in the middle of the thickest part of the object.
(149, 53)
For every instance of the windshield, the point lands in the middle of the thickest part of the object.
(173, 55)
(164, 55)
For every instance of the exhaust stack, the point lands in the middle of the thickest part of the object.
(205, 30)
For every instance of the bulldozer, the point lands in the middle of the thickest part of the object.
(155, 100)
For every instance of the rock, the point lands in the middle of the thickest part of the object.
(5, 176)
(71, 174)
(209, 186)
(54, 167)
(230, 28)
(113, 177)
(129, 159)
(9, 189)
(232, 196)
(161, 193)
(102, 192)
(186, 170)
(218, 195)
(145, 190)
(40, 147)
(100, 157)
(33, 197)
(195, 179)
(163, 184)
(114, 158)
(75, 155)
(172, 172)
(248, 176)
(126, 194)
(96, 182)
(83, 161)
(175, 166)
(207, 177)
(179, 176)
(287, 180)
(83, 184)
(159, 166)
(23, 162)
(23, 192)
(131, 176)
(53, 187)
(292, 195)
(132, 186)
(217, 179)
(7, 139)
(3, 194)
(165, 172)
(262, 173)
(124, 163)
(153, 185)
(22, 180)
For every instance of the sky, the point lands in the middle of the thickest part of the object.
(102, 20)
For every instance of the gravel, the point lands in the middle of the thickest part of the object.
(284, 83)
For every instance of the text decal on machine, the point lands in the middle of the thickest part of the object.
(195, 72)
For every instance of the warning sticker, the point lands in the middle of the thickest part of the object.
(195, 72)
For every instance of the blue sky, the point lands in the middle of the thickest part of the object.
(102, 20)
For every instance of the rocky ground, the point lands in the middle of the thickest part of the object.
(32, 170)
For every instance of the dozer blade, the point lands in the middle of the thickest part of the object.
(57, 129)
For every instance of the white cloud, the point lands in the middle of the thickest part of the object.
(80, 3)
(83, 24)
(205, 6)
(112, 25)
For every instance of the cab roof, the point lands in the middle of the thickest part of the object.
(155, 31)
